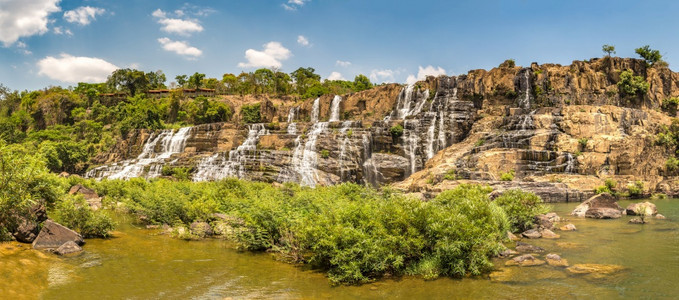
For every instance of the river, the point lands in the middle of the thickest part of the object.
(141, 264)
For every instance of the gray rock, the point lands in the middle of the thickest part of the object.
(531, 234)
(603, 213)
(548, 234)
(647, 208)
(53, 235)
(528, 248)
(68, 248)
(27, 231)
(600, 203)
(92, 198)
(201, 229)
(568, 227)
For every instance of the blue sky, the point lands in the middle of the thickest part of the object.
(63, 42)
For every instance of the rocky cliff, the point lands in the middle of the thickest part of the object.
(557, 130)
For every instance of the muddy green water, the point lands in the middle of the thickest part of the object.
(139, 264)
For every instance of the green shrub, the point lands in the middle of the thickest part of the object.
(508, 176)
(250, 113)
(480, 142)
(521, 208)
(396, 130)
(635, 189)
(450, 175)
(651, 56)
(74, 213)
(602, 189)
(509, 63)
(672, 164)
(350, 133)
(670, 105)
(632, 85)
(583, 142)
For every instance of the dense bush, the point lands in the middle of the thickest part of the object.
(74, 213)
(507, 176)
(355, 233)
(250, 113)
(396, 130)
(521, 208)
(632, 85)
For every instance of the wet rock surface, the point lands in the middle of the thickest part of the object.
(526, 260)
(645, 208)
(53, 235)
(528, 248)
(68, 248)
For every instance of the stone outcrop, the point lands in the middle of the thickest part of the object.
(92, 198)
(526, 260)
(68, 248)
(601, 206)
(556, 260)
(561, 130)
(528, 248)
(29, 225)
(645, 208)
(53, 235)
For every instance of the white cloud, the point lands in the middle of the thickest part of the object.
(302, 40)
(74, 69)
(422, 74)
(22, 18)
(183, 27)
(179, 47)
(336, 76)
(343, 63)
(59, 30)
(271, 56)
(294, 4)
(83, 15)
(385, 75)
(22, 48)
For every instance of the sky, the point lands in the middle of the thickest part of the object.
(63, 42)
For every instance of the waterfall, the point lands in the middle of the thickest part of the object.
(370, 172)
(404, 101)
(525, 101)
(305, 158)
(430, 135)
(292, 115)
(218, 167)
(343, 149)
(148, 160)
(412, 139)
(315, 110)
(570, 164)
(335, 109)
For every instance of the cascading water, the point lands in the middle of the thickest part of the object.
(218, 167)
(526, 121)
(315, 110)
(292, 115)
(430, 134)
(343, 149)
(570, 164)
(411, 140)
(371, 174)
(335, 109)
(305, 158)
(170, 143)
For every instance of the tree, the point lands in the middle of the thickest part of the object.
(196, 80)
(128, 80)
(156, 79)
(283, 83)
(181, 80)
(230, 83)
(265, 81)
(608, 49)
(651, 56)
(304, 79)
(361, 83)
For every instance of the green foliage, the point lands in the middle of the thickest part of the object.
(632, 85)
(636, 189)
(325, 153)
(602, 189)
(355, 234)
(480, 142)
(250, 113)
(672, 164)
(361, 83)
(608, 49)
(396, 131)
(608, 187)
(508, 176)
(521, 208)
(509, 63)
(74, 213)
(583, 142)
(670, 105)
(651, 56)
(450, 175)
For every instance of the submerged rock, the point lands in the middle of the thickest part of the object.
(53, 235)
(556, 260)
(525, 260)
(568, 227)
(68, 248)
(547, 221)
(548, 234)
(636, 221)
(646, 208)
(528, 248)
(595, 270)
(660, 217)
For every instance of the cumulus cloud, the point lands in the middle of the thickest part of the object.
(83, 15)
(336, 76)
(342, 63)
(294, 4)
(385, 75)
(22, 18)
(179, 47)
(74, 69)
(59, 30)
(22, 48)
(422, 74)
(183, 27)
(302, 40)
(271, 56)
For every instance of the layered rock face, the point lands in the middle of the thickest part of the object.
(560, 130)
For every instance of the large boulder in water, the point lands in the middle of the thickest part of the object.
(53, 235)
(601, 206)
(645, 208)
(547, 221)
(68, 248)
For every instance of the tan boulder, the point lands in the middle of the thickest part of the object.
(526, 260)
(645, 208)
